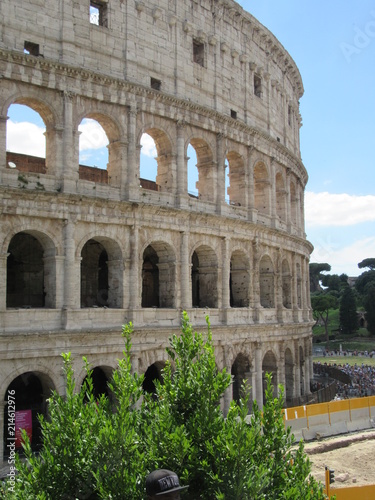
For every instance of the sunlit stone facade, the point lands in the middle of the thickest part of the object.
(85, 250)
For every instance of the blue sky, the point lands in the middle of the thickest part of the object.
(333, 45)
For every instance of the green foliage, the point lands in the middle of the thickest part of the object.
(105, 448)
(321, 305)
(316, 269)
(369, 263)
(348, 311)
(369, 303)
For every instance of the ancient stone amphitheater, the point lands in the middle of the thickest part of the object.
(84, 250)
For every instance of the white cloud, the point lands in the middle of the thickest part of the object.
(148, 146)
(345, 260)
(326, 209)
(92, 135)
(26, 138)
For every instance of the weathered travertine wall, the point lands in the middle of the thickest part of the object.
(82, 254)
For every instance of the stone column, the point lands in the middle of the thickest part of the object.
(117, 162)
(294, 288)
(71, 288)
(288, 201)
(70, 148)
(273, 194)
(186, 298)
(304, 284)
(297, 377)
(256, 286)
(3, 282)
(60, 271)
(132, 171)
(181, 161)
(3, 142)
(259, 376)
(279, 288)
(250, 195)
(220, 191)
(227, 397)
(225, 274)
(135, 299)
(281, 367)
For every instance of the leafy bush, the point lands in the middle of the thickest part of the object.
(98, 449)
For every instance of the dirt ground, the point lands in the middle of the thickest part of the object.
(352, 457)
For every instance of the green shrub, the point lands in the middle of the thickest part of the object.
(102, 449)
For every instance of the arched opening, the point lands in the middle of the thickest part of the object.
(31, 271)
(241, 374)
(266, 282)
(101, 274)
(280, 197)
(286, 285)
(289, 376)
(153, 374)
(26, 139)
(31, 391)
(204, 278)
(302, 370)
(269, 365)
(261, 189)
(205, 185)
(150, 278)
(192, 172)
(239, 280)
(236, 189)
(93, 151)
(100, 377)
(156, 161)
(158, 276)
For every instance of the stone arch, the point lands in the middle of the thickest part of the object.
(262, 188)
(165, 159)
(204, 277)
(31, 270)
(31, 391)
(281, 196)
(239, 281)
(101, 273)
(113, 131)
(289, 375)
(27, 163)
(158, 275)
(269, 365)
(266, 282)
(237, 185)
(206, 166)
(286, 278)
(240, 372)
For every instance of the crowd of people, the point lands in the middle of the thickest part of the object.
(362, 379)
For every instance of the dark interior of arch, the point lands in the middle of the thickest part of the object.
(150, 278)
(29, 395)
(239, 371)
(94, 275)
(152, 374)
(25, 272)
(99, 382)
(204, 278)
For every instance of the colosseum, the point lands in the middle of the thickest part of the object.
(86, 249)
